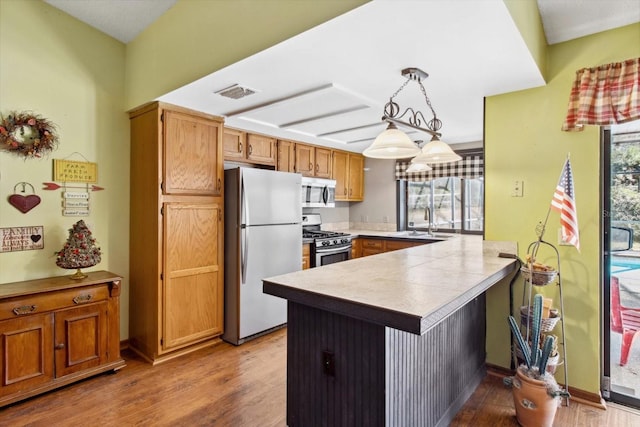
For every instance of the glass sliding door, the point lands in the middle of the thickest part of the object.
(621, 263)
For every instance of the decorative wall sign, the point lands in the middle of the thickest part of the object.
(13, 239)
(74, 171)
(24, 203)
(75, 203)
(27, 134)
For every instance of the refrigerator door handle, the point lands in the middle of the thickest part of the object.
(244, 239)
(244, 253)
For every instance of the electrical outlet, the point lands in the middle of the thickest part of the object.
(329, 363)
(385, 219)
(518, 189)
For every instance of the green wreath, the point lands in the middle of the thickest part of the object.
(27, 134)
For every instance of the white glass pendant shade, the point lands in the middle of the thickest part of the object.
(418, 167)
(436, 152)
(392, 144)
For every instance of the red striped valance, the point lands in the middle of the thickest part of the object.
(604, 95)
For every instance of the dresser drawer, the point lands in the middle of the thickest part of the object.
(39, 303)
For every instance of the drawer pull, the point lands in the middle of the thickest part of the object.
(25, 309)
(59, 346)
(82, 299)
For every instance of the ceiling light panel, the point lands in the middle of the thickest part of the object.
(304, 107)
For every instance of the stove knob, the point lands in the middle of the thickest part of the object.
(325, 243)
(344, 241)
(335, 242)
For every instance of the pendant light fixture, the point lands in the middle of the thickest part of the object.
(395, 144)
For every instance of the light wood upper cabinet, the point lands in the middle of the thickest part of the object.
(356, 177)
(192, 153)
(305, 159)
(323, 163)
(313, 161)
(286, 156)
(348, 171)
(261, 149)
(234, 144)
(242, 146)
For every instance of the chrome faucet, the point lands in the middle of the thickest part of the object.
(427, 217)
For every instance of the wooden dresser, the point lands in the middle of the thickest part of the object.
(57, 330)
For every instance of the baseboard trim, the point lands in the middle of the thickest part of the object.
(578, 395)
(124, 344)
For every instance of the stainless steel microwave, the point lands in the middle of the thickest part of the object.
(318, 193)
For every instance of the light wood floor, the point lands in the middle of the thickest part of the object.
(236, 386)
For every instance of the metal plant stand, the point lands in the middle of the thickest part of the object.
(529, 284)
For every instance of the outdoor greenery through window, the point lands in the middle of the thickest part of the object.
(455, 205)
(625, 184)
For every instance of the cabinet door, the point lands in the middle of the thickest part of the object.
(372, 247)
(26, 353)
(356, 177)
(192, 297)
(233, 144)
(261, 149)
(192, 155)
(340, 172)
(306, 256)
(356, 248)
(323, 163)
(80, 338)
(286, 156)
(305, 159)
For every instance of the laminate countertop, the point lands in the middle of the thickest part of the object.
(410, 289)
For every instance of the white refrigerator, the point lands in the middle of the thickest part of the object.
(263, 238)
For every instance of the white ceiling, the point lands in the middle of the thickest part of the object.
(328, 85)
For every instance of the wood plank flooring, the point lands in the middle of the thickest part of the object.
(236, 386)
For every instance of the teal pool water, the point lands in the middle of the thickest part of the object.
(620, 264)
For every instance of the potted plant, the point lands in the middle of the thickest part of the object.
(535, 391)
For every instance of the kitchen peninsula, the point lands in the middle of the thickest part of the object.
(393, 339)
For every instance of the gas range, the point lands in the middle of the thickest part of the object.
(311, 229)
(327, 238)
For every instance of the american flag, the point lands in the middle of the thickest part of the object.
(564, 202)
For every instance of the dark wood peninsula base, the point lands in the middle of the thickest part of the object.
(396, 339)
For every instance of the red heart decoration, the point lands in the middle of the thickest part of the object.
(24, 203)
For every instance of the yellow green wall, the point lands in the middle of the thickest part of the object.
(73, 75)
(526, 16)
(523, 141)
(196, 38)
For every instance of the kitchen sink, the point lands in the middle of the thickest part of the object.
(420, 235)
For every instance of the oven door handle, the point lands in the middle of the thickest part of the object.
(330, 251)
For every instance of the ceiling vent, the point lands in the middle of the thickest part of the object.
(235, 92)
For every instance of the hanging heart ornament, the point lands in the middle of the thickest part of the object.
(24, 203)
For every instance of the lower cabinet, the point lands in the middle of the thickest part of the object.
(57, 331)
(306, 256)
(366, 246)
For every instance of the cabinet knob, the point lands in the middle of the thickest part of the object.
(219, 184)
(59, 346)
(240, 147)
(310, 166)
(250, 148)
(345, 191)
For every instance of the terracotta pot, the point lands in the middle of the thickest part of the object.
(534, 407)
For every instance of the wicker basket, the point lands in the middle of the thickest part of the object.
(547, 324)
(539, 277)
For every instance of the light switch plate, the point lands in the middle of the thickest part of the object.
(518, 188)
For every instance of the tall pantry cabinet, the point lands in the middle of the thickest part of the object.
(176, 231)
